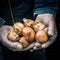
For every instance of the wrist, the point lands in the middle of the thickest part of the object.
(45, 14)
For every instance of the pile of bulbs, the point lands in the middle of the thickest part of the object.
(28, 32)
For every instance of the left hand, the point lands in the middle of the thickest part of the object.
(49, 20)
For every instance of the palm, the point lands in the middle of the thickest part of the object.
(49, 21)
(10, 45)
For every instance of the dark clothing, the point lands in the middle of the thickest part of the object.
(36, 55)
(24, 9)
(27, 9)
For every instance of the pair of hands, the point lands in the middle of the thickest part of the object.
(47, 19)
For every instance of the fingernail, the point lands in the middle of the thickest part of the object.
(37, 44)
(31, 50)
(19, 46)
(34, 48)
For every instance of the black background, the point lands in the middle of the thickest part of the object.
(53, 51)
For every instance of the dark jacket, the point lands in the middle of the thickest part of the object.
(26, 9)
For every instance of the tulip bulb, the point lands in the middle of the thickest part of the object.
(12, 36)
(28, 33)
(28, 22)
(18, 27)
(23, 41)
(39, 26)
(41, 36)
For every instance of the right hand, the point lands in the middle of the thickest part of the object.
(13, 46)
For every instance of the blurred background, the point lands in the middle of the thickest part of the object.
(53, 51)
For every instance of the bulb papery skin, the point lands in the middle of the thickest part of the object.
(24, 42)
(18, 27)
(41, 36)
(12, 36)
(28, 33)
(29, 22)
(39, 26)
(19, 47)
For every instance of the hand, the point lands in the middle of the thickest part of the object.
(36, 46)
(48, 20)
(14, 46)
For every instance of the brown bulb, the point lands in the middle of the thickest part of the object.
(12, 36)
(28, 33)
(46, 29)
(41, 36)
(23, 41)
(28, 22)
(39, 26)
(18, 27)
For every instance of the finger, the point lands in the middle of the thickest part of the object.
(35, 48)
(16, 47)
(32, 46)
(5, 27)
(29, 47)
(51, 27)
(37, 44)
(43, 18)
(31, 50)
(11, 45)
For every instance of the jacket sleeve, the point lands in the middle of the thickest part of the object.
(2, 21)
(45, 6)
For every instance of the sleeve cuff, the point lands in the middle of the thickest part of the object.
(2, 21)
(44, 10)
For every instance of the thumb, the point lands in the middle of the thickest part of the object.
(51, 27)
(15, 46)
